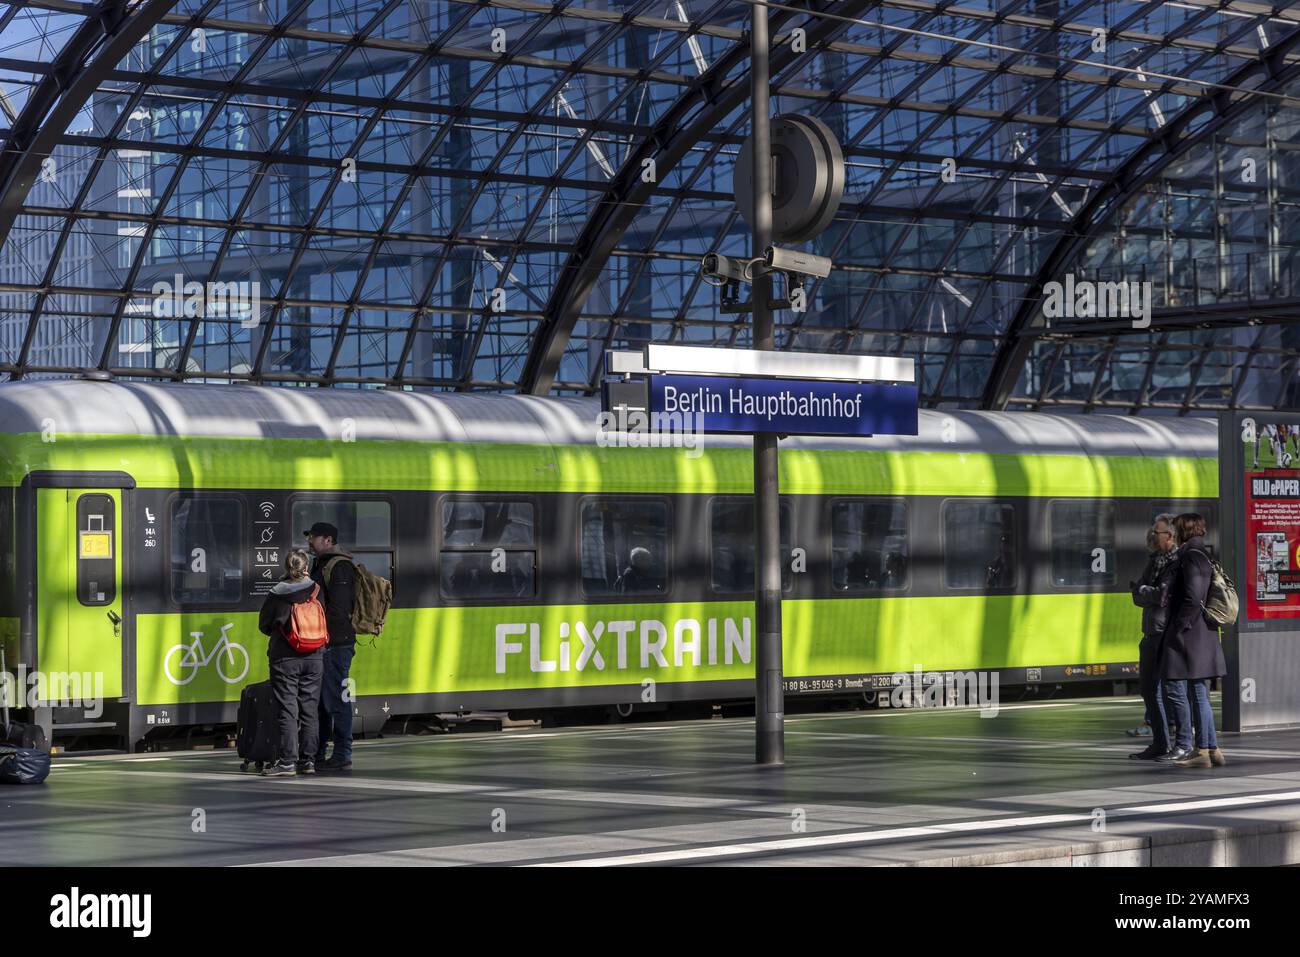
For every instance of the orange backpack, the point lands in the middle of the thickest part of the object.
(306, 630)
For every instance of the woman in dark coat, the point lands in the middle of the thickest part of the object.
(1191, 653)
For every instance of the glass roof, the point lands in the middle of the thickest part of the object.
(456, 195)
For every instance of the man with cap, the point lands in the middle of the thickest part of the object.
(339, 593)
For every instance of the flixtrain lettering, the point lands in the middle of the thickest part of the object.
(624, 644)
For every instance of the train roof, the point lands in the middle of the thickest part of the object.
(77, 406)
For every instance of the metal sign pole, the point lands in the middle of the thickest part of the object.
(769, 700)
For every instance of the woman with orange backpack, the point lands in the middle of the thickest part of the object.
(294, 619)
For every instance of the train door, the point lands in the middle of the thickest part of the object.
(79, 619)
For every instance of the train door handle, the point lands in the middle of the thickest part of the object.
(116, 619)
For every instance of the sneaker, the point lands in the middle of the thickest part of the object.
(337, 764)
(306, 767)
(1141, 731)
(1151, 753)
(1217, 758)
(1199, 758)
(278, 768)
(1175, 754)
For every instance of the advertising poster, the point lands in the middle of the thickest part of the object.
(1272, 526)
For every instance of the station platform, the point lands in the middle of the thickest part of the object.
(1039, 784)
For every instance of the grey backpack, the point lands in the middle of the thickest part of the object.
(1221, 604)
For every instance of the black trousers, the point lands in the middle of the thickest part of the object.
(295, 683)
(1153, 691)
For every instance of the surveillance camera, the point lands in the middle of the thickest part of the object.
(718, 266)
(795, 261)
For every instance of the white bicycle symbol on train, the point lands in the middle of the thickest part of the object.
(183, 662)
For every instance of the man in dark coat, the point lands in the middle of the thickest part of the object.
(334, 572)
(1151, 594)
(1191, 653)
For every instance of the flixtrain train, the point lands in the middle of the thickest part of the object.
(537, 566)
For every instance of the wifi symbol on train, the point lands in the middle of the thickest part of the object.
(267, 508)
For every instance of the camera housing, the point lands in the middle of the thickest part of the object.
(726, 268)
(797, 262)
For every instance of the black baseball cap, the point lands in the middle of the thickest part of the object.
(322, 528)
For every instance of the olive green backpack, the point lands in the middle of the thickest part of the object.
(374, 596)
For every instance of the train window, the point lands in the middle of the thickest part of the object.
(979, 545)
(207, 538)
(1083, 542)
(868, 545)
(365, 528)
(624, 547)
(96, 565)
(486, 524)
(731, 562)
(488, 549)
(8, 550)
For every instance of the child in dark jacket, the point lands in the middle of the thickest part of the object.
(295, 676)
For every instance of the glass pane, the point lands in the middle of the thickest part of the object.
(624, 548)
(487, 523)
(361, 524)
(206, 551)
(377, 563)
(481, 575)
(979, 545)
(1079, 529)
(869, 545)
(732, 561)
(8, 552)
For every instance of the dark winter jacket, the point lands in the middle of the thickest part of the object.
(1191, 645)
(275, 617)
(1151, 592)
(339, 595)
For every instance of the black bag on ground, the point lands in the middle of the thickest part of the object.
(255, 733)
(23, 765)
(22, 735)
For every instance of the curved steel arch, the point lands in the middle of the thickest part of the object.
(1146, 163)
(715, 94)
(92, 53)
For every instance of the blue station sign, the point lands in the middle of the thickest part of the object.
(787, 406)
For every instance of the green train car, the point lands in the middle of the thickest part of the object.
(142, 524)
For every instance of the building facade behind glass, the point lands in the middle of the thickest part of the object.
(410, 187)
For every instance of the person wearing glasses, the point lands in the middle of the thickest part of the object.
(1151, 594)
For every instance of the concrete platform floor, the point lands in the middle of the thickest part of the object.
(1038, 784)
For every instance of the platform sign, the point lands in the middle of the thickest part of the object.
(1259, 509)
(1271, 481)
(787, 406)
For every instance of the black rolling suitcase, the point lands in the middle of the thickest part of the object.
(255, 733)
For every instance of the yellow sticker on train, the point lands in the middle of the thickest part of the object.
(95, 545)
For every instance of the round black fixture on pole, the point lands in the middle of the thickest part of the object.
(807, 178)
